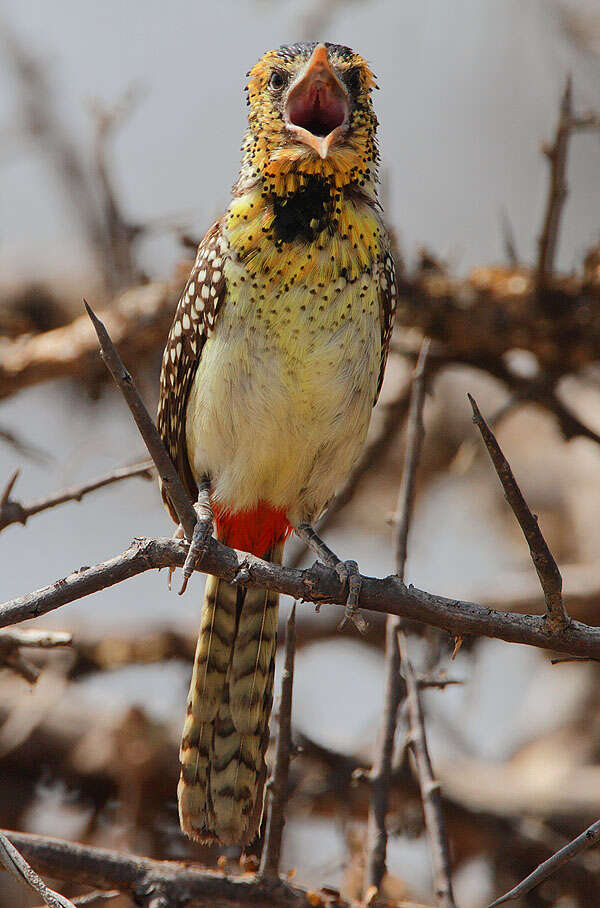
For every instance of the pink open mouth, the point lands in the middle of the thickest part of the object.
(318, 110)
(317, 105)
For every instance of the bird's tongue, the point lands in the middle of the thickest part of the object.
(317, 109)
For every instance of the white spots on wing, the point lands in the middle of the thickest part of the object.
(186, 322)
(205, 292)
(216, 276)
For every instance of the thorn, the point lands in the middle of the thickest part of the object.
(9, 487)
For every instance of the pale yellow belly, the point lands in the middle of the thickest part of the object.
(282, 398)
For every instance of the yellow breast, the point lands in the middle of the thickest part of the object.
(283, 395)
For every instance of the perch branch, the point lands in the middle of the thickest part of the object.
(144, 879)
(318, 583)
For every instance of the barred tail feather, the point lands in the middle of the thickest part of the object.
(226, 731)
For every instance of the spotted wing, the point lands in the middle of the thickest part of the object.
(194, 320)
(388, 298)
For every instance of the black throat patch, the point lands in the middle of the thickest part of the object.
(304, 214)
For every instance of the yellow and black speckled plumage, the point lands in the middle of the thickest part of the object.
(274, 360)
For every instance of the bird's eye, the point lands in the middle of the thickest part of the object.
(277, 80)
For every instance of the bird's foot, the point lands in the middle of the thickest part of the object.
(347, 571)
(200, 537)
(349, 574)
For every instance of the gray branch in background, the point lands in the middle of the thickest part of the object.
(382, 766)
(431, 793)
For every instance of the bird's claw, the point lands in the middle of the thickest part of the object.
(198, 545)
(349, 574)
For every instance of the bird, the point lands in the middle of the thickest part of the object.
(272, 366)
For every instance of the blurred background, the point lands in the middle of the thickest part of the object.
(120, 128)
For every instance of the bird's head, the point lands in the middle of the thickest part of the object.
(310, 112)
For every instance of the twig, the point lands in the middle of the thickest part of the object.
(508, 239)
(440, 681)
(18, 867)
(11, 657)
(120, 233)
(416, 432)
(16, 662)
(568, 123)
(167, 472)
(430, 790)
(278, 785)
(431, 794)
(318, 583)
(12, 511)
(382, 765)
(33, 638)
(584, 841)
(557, 193)
(543, 561)
(23, 447)
(92, 897)
(43, 123)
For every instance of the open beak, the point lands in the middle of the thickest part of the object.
(317, 105)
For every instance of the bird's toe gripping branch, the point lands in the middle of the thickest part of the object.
(347, 571)
(202, 533)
